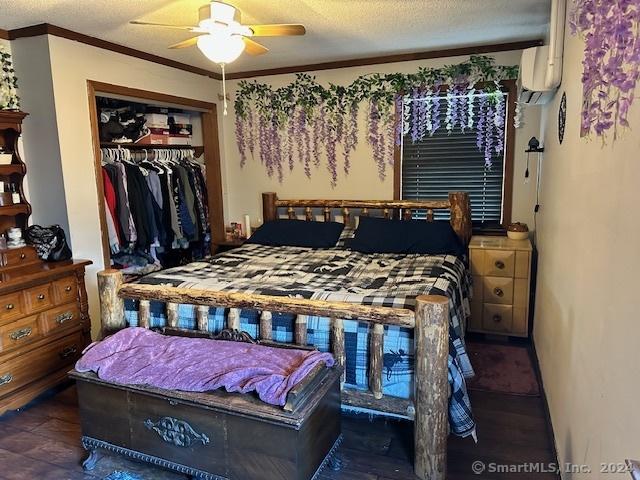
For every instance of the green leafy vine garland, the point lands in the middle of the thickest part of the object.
(9, 99)
(303, 116)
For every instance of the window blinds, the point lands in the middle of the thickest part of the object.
(448, 162)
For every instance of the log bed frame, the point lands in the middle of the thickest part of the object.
(428, 408)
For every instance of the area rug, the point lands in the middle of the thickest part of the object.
(119, 475)
(502, 369)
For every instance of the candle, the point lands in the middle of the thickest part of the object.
(247, 226)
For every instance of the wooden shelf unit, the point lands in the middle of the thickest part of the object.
(10, 129)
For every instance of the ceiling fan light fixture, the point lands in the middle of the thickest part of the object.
(221, 48)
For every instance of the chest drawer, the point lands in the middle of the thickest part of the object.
(58, 318)
(497, 290)
(19, 257)
(497, 318)
(31, 366)
(499, 263)
(20, 332)
(184, 434)
(65, 290)
(11, 307)
(38, 298)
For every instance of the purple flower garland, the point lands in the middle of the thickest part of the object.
(611, 64)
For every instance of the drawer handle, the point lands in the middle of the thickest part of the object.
(23, 256)
(175, 431)
(498, 291)
(497, 318)
(67, 352)
(5, 379)
(41, 296)
(9, 306)
(499, 264)
(67, 289)
(22, 333)
(64, 317)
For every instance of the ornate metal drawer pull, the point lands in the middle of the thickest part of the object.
(5, 379)
(67, 288)
(9, 306)
(498, 291)
(176, 432)
(499, 264)
(64, 317)
(41, 296)
(23, 332)
(67, 352)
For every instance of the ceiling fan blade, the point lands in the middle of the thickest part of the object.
(179, 27)
(254, 48)
(277, 30)
(189, 42)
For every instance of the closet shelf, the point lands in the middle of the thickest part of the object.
(10, 210)
(139, 146)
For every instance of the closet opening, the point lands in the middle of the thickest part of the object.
(158, 177)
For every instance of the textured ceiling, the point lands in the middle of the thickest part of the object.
(336, 29)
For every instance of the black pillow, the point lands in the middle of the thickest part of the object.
(297, 233)
(379, 235)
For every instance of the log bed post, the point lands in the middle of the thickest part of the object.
(269, 209)
(111, 305)
(461, 215)
(432, 387)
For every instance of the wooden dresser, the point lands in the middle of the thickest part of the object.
(44, 324)
(501, 270)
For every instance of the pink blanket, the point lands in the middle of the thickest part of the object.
(141, 357)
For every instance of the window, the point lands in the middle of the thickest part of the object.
(448, 162)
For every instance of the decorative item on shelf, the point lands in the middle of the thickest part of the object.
(312, 119)
(6, 198)
(5, 157)
(562, 117)
(9, 99)
(15, 238)
(247, 226)
(517, 231)
(236, 231)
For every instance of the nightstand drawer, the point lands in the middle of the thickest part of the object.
(499, 263)
(497, 318)
(498, 290)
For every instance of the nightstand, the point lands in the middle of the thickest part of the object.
(226, 245)
(501, 270)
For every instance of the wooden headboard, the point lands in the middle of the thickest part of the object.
(458, 204)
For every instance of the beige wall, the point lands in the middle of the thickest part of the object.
(243, 187)
(586, 324)
(71, 65)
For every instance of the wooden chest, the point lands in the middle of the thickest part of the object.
(44, 324)
(216, 435)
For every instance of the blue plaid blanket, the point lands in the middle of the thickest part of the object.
(340, 275)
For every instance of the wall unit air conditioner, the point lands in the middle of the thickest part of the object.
(541, 67)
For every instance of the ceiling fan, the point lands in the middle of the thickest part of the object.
(222, 38)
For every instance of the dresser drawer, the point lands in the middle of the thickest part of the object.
(20, 332)
(59, 318)
(19, 257)
(498, 290)
(11, 307)
(37, 363)
(497, 318)
(499, 263)
(38, 298)
(65, 290)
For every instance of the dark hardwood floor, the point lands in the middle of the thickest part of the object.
(43, 442)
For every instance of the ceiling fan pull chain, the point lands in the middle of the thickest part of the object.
(224, 91)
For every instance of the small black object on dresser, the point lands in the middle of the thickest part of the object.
(214, 435)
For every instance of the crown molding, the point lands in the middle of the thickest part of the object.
(403, 57)
(47, 29)
(4, 35)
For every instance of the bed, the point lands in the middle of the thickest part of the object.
(394, 322)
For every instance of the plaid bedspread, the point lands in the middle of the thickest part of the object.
(337, 275)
